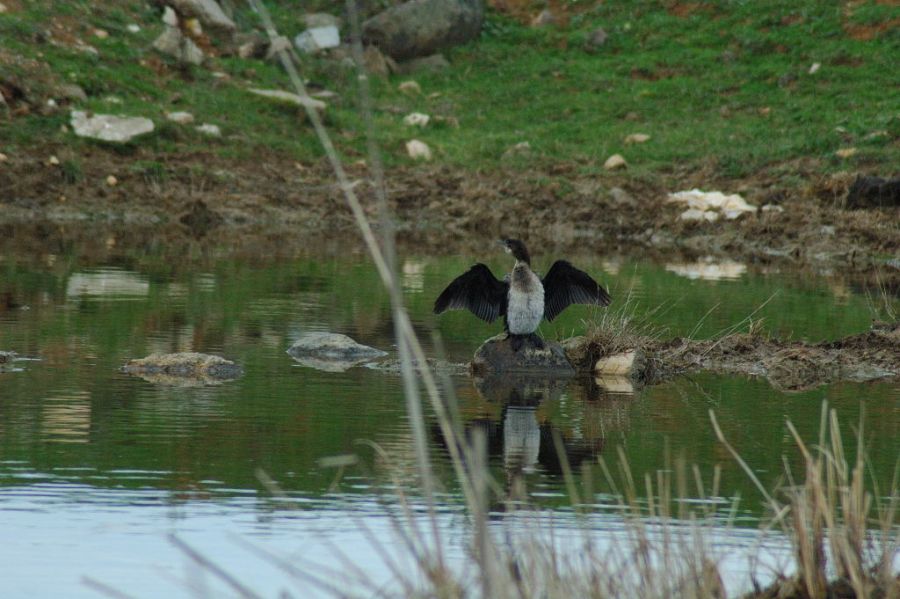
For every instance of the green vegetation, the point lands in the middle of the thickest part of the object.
(724, 87)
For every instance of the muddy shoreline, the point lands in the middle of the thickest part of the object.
(279, 203)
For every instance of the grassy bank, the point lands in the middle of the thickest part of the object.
(722, 88)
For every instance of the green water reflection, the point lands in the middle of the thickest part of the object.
(71, 416)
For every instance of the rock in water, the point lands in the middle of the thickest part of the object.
(169, 368)
(106, 127)
(496, 355)
(423, 27)
(332, 352)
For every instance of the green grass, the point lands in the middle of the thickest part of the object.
(727, 86)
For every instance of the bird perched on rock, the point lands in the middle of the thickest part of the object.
(522, 297)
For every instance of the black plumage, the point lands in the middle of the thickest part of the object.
(480, 292)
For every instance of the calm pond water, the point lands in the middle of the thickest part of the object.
(98, 468)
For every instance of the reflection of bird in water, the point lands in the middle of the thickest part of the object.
(523, 298)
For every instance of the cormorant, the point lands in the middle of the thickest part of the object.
(522, 297)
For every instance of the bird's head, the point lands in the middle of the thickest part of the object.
(517, 249)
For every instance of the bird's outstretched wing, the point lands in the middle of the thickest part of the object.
(476, 290)
(565, 285)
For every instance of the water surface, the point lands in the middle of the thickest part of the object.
(97, 467)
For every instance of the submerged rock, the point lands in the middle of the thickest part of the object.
(496, 355)
(331, 352)
(183, 365)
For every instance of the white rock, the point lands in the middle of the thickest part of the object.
(709, 269)
(112, 181)
(317, 39)
(194, 27)
(182, 118)
(133, 28)
(3, 157)
(772, 208)
(845, 152)
(615, 161)
(211, 130)
(3, 8)
(418, 150)
(693, 214)
(107, 127)
(169, 17)
(416, 119)
(331, 352)
(53, 161)
(410, 87)
(616, 365)
(814, 67)
(287, 97)
(101, 34)
(636, 138)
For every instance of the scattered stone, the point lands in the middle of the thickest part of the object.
(636, 138)
(621, 197)
(595, 40)
(693, 214)
(284, 97)
(53, 161)
(321, 19)
(7, 356)
(279, 44)
(211, 130)
(181, 118)
(317, 39)
(251, 45)
(873, 192)
(496, 355)
(101, 34)
(133, 28)
(814, 68)
(772, 208)
(3, 8)
(71, 91)
(107, 127)
(410, 87)
(112, 181)
(208, 12)
(418, 150)
(193, 27)
(3, 157)
(629, 364)
(172, 368)
(632, 116)
(423, 27)
(170, 17)
(616, 161)
(332, 352)
(709, 269)
(544, 18)
(846, 152)
(172, 42)
(730, 206)
(416, 119)
(375, 62)
(429, 64)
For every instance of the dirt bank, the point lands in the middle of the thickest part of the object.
(201, 196)
(788, 365)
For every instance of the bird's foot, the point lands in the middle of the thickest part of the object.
(515, 342)
(536, 341)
